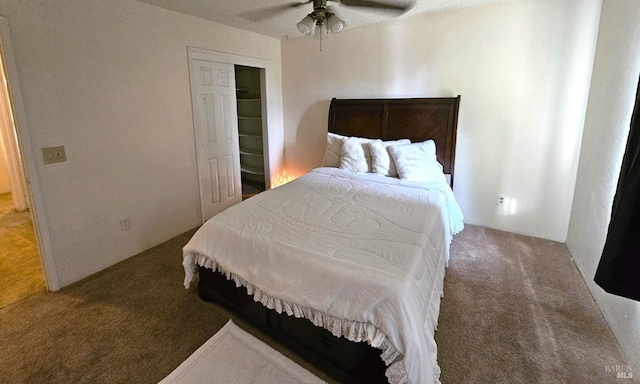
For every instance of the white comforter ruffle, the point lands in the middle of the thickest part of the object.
(358, 254)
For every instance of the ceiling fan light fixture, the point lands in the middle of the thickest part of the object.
(335, 24)
(305, 25)
(321, 31)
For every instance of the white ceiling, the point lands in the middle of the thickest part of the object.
(244, 14)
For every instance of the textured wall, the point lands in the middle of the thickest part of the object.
(109, 80)
(523, 70)
(613, 89)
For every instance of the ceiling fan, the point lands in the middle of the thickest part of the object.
(323, 16)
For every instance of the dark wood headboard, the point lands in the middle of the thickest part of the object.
(416, 119)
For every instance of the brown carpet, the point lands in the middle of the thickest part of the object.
(515, 311)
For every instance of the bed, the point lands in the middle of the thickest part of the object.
(348, 260)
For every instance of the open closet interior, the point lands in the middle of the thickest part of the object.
(250, 130)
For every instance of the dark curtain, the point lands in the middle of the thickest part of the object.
(619, 268)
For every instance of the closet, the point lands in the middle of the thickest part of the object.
(250, 130)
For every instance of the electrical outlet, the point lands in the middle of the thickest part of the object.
(125, 223)
(53, 154)
(501, 200)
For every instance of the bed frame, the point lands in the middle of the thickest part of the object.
(417, 119)
(391, 119)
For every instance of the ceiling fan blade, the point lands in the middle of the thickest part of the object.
(401, 6)
(269, 12)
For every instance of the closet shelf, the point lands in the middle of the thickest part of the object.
(249, 134)
(251, 125)
(251, 169)
(251, 152)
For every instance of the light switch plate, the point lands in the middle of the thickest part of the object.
(53, 154)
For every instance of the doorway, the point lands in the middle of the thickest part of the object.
(250, 130)
(230, 127)
(20, 269)
(21, 273)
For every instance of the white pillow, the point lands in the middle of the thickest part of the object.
(333, 153)
(417, 161)
(381, 162)
(356, 156)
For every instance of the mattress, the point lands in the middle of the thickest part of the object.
(358, 254)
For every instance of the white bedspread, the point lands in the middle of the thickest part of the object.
(358, 254)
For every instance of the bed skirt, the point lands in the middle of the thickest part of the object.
(346, 361)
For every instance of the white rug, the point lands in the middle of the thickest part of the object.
(233, 356)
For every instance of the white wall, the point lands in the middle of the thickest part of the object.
(109, 80)
(523, 70)
(613, 91)
(5, 179)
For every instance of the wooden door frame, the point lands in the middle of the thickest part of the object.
(29, 159)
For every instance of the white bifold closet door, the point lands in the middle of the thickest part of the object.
(215, 115)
